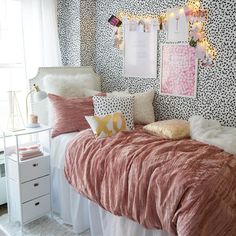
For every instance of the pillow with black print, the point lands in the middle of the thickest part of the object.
(107, 105)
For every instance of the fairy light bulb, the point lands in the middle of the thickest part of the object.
(197, 4)
(181, 10)
(172, 14)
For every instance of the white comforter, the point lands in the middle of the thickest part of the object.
(211, 132)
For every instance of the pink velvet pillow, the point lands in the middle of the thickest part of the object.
(70, 113)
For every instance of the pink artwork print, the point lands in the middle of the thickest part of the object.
(179, 70)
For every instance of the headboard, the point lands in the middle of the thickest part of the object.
(70, 73)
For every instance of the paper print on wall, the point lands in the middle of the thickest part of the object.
(178, 75)
(140, 53)
(177, 25)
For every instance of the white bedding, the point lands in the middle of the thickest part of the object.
(211, 132)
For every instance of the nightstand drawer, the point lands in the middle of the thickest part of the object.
(34, 168)
(35, 188)
(36, 208)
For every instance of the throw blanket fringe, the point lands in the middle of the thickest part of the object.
(211, 132)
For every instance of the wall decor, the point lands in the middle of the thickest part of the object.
(184, 24)
(177, 25)
(178, 74)
(140, 48)
(197, 18)
(113, 20)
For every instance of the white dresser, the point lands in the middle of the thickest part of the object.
(28, 181)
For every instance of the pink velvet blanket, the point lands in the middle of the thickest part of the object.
(184, 187)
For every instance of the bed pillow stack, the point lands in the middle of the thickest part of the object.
(115, 112)
(135, 108)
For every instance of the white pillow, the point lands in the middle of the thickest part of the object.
(107, 125)
(143, 107)
(90, 92)
(68, 86)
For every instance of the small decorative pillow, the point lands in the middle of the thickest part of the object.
(174, 129)
(143, 107)
(107, 105)
(70, 113)
(108, 125)
(68, 86)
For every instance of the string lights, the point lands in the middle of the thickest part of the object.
(197, 18)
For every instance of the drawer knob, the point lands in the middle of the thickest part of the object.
(36, 184)
(35, 164)
(37, 203)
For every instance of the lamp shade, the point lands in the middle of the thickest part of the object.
(39, 95)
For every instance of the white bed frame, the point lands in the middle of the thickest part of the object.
(72, 207)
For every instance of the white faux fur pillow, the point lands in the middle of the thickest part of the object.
(90, 92)
(68, 87)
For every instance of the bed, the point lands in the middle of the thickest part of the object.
(73, 208)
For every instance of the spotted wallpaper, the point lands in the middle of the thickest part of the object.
(77, 37)
(216, 91)
(69, 31)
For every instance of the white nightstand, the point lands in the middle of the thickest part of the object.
(28, 181)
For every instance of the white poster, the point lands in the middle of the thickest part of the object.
(140, 49)
(177, 30)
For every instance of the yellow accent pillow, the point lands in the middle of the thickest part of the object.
(173, 129)
(107, 125)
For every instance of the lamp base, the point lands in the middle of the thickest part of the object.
(32, 125)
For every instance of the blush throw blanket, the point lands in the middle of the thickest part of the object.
(184, 187)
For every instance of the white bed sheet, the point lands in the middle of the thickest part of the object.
(78, 211)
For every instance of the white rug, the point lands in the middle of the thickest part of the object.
(44, 226)
(3, 232)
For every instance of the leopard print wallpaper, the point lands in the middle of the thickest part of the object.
(69, 31)
(77, 37)
(216, 91)
(88, 31)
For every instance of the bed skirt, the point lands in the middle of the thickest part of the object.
(83, 214)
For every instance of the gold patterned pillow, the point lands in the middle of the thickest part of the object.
(173, 129)
(107, 125)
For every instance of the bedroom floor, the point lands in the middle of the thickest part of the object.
(44, 226)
